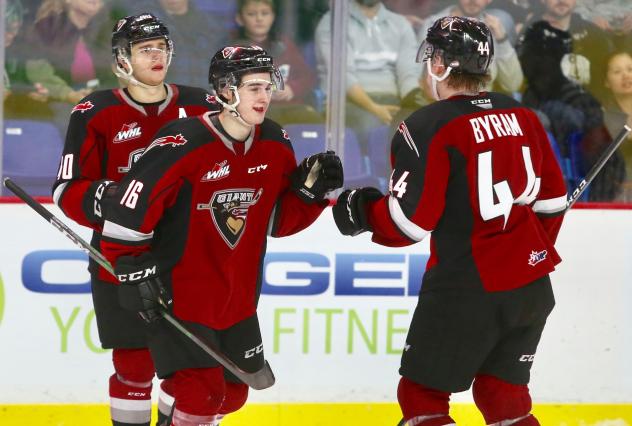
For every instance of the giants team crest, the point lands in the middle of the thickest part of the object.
(229, 211)
(134, 156)
(169, 140)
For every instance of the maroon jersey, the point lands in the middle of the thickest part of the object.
(479, 173)
(204, 206)
(107, 133)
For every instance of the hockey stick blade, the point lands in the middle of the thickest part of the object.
(258, 380)
(596, 168)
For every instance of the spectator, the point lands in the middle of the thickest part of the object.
(194, 32)
(609, 15)
(76, 31)
(415, 11)
(591, 46)
(22, 98)
(30, 9)
(505, 70)
(618, 108)
(256, 27)
(522, 11)
(570, 109)
(381, 69)
(309, 13)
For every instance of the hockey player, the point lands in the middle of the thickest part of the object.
(190, 221)
(107, 133)
(476, 170)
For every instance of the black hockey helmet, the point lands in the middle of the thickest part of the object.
(542, 39)
(136, 28)
(230, 63)
(464, 44)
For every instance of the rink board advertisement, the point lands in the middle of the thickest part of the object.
(334, 314)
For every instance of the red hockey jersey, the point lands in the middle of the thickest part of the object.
(107, 133)
(479, 173)
(204, 206)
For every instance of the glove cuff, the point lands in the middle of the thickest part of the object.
(93, 200)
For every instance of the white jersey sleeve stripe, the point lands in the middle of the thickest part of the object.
(58, 191)
(130, 404)
(409, 228)
(552, 205)
(271, 221)
(112, 230)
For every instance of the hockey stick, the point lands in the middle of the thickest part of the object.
(261, 379)
(596, 168)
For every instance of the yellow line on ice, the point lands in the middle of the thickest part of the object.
(321, 415)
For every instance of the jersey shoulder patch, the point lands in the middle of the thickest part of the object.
(271, 131)
(188, 95)
(95, 102)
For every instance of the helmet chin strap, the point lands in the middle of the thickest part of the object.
(435, 79)
(232, 108)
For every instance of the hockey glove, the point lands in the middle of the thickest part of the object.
(140, 288)
(93, 201)
(350, 210)
(317, 175)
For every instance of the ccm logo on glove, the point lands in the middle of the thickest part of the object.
(138, 275)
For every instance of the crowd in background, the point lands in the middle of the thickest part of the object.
(570, 60)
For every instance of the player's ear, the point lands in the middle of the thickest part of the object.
(437, 65)
(227, 94)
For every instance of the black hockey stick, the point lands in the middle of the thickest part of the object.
(596, 168)
(261, 379)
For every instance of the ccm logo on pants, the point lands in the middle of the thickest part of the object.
(252, 352)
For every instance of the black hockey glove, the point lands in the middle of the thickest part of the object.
(317, 175)
(140, 288)
(94, 200)
(350, 210)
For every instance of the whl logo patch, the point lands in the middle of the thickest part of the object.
(219, 171)
(536, 257)
(229, 211)
(128, 132)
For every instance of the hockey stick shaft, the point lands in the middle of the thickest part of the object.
(596, 168)
(261, 379)
(62, 227)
